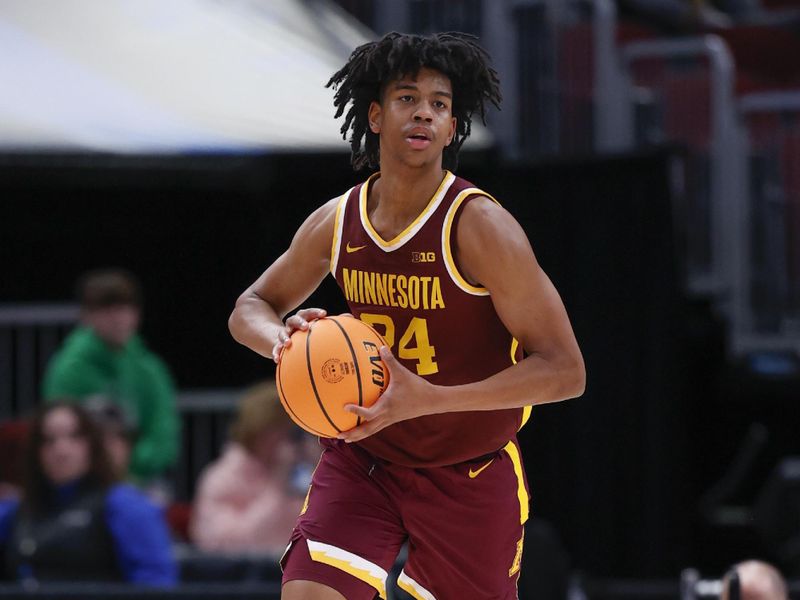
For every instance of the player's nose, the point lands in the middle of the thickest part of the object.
(423, 112)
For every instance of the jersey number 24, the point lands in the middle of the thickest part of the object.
(414, 343)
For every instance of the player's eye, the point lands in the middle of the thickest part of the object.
(439, 104)
(406, 98)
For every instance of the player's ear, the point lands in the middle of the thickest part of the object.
(452, 131)
(374, 116)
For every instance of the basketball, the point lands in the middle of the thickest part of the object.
(333, 363)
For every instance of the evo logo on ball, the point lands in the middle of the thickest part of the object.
(374, 356)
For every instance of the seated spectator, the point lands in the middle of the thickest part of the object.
(104, 356)
(248, 500)
(754, 580)
(73, 521)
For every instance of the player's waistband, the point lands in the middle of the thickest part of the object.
(371, 459)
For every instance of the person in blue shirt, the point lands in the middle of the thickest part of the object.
(74, 521)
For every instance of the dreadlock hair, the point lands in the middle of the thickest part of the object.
(371, 66)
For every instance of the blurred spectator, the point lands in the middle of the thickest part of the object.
(74, 522)
(248, 500)
(104, 356)
(755, 580)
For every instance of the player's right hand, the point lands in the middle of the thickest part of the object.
(299, 320)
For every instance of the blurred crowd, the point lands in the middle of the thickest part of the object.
(85, 487)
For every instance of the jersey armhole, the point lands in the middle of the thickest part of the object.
(338, 224)
(450, 225)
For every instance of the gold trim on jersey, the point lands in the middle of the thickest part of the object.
(338, 224)
(414, 589)
(409, 232)
(358, 567)
(522, 493)
(526, 410)
(447, 250)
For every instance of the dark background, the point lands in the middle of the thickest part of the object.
(619, 472)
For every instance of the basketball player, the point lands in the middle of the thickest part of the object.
(449, 279)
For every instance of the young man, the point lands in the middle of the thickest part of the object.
(450, 280)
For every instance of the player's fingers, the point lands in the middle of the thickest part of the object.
(388, 358)
(309, 314)
(361, 432)
(284, 340)
(361, 411)
(296, 322)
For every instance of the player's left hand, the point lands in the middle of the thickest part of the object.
(406, 397)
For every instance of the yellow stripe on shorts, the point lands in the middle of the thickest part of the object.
(522, 493)
(358, 567)
(414, 589)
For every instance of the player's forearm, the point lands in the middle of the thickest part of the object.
(534, 380)
(255, 324)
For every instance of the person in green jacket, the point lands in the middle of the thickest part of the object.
(104, 356)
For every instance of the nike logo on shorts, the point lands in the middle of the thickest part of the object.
(474, 474)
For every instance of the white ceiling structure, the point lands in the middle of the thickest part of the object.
(172, 76)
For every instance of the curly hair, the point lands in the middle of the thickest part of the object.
(371, 66)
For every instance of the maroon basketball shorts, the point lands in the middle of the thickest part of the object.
(463, 524)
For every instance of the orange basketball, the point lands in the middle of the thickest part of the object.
(334, 363)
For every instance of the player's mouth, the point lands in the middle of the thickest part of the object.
(419, 138)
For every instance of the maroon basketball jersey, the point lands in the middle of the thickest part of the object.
(436, 323)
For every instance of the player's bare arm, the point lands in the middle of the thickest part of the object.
(256, 321)
(493, 251)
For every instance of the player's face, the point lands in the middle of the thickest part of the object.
(415, 118)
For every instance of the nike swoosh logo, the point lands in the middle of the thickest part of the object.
(474, 474)
(354, 248)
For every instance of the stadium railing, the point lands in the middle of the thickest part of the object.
(685, 94)
(29, 334)
(768, 289)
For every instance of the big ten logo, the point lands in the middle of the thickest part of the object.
(376, 370)
(423, 257)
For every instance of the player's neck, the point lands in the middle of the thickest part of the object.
(404, 193)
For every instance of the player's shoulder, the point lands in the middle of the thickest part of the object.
(468, 193)
(484, 218)
(478, 205)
